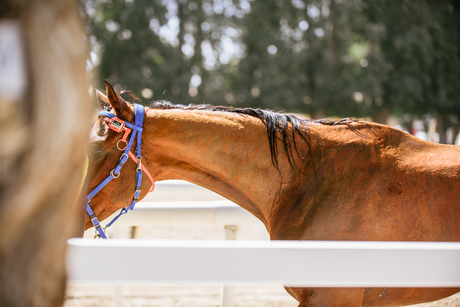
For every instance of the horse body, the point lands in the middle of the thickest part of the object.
(354, 181)
(384, 185)
(387, 187)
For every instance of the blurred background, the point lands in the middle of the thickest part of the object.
(393, 62)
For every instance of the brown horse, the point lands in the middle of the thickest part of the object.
(304, 179)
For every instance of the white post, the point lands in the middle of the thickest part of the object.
(226, 294)
(135, 232)
(118, 295)
(231, 232)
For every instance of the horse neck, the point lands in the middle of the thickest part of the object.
(227, 153)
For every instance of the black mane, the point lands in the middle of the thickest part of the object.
(280, 126)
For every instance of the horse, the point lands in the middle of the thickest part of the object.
(304, 179)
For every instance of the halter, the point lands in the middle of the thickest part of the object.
(119, 125)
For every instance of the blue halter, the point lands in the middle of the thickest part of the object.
(117, 124)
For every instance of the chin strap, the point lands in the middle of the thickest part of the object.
(118, 126)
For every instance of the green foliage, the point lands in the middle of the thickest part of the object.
(323, 57)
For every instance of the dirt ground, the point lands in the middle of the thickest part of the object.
(190, 295)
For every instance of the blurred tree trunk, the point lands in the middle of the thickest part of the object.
(441, 129)
(381, 116)
(456, 132)
(43, 133)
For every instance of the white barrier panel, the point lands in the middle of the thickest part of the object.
(294, 263)
(187, 213)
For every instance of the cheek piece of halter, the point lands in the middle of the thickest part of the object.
(119, 125)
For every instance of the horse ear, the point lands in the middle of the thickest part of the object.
(121, 107)
(102, 100)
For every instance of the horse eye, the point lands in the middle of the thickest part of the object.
(97, 152)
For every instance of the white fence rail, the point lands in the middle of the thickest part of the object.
(299, 263)
(295, 263)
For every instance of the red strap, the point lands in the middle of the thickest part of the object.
(144, 170)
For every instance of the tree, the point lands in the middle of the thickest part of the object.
(44, 130)
(324, 57)
(419, 48)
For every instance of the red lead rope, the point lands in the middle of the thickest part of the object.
(144, 170)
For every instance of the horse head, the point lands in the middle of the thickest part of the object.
(106, 146)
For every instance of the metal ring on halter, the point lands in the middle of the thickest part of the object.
(111, 173)
(126, 143)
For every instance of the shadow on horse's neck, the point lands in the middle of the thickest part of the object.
(225, 152)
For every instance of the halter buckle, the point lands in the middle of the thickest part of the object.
(124, 157)
(139, 164)
(137, 194)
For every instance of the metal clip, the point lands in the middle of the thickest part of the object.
(97, 235)
(139, 164)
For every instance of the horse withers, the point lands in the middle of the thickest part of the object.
(304, 179)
